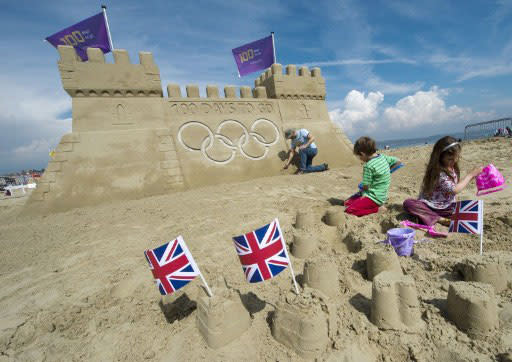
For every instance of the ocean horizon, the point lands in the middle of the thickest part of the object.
(399, 143)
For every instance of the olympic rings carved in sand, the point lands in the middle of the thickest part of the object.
(208, 142)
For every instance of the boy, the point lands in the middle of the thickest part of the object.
(376, 179)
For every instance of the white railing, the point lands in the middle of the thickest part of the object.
(486, 129)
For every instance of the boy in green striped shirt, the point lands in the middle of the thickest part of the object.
(376, 179)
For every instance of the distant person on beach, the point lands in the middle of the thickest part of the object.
(509, 131)
(376, 179)
(440, 184)
(500, 132)
(302, 144)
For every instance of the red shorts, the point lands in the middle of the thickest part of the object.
(360, 206)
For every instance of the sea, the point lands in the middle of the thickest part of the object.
(421, 140)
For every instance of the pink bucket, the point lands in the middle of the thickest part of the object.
(489, 180)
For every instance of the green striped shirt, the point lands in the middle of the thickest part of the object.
(377, 176)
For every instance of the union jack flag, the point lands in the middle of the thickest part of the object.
(262, 252)
(172, 265)
(468, 217)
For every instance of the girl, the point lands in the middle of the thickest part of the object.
(440, 183)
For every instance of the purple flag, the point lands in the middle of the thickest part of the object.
(254, 56)
(89, 33)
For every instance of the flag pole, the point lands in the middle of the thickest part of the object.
(104, 7)
(481, 243)
(287, 257)
(482, 231)
(204, 282)
(195, 266)
(273, 46)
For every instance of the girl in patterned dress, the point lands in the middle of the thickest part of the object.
(440, 184)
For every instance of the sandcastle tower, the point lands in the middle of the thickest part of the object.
(395, 303)
(490, 268)
(472, 307)
(304, 323)
(381, 260)
(130, 141)
(221, 319)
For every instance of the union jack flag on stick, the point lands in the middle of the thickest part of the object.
(469, 218)
(263, 253)
(173, 266)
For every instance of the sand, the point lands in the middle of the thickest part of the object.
(76, 286)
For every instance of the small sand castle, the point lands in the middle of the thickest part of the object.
(491, 268)
(472, 307)
(129, 141)
(221, 318)
(395, 303)
(302, 323)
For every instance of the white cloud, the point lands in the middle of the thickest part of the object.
(489, 71)
(422, 108)
(359, 111)
(341, 62)
(40, 145)
(31, 122)
(424, 111)
(385, 87)
(426, 11)
(469, 67)
(502, 102)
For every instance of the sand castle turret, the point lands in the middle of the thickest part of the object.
(490, 268)
(395, 303)
(96, 78)
(308, 84)
(472, 307)
(303, 323)
(129, 141)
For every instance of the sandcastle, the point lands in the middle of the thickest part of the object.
(395, 303)
(490, 268)
(472, 307)
(221, 319)
(129, 141)
(305, 220)
(335, 216)
(300, 323)
(304, 243)
(322, 274)
(382, 260)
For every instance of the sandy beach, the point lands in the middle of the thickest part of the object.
(75, 286)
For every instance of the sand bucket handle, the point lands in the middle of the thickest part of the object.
(485, 192)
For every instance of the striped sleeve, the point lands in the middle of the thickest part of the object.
(391, 160)
(367, 174)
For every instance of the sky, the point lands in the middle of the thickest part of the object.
(394, 69)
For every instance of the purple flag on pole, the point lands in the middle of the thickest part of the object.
(89, 33)
(254, 56)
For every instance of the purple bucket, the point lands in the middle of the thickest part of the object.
(402, 240)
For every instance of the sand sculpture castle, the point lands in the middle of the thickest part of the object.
(129, 141)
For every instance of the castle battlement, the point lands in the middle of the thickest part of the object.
(308, 84)
(213, 92)
(95, 78)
